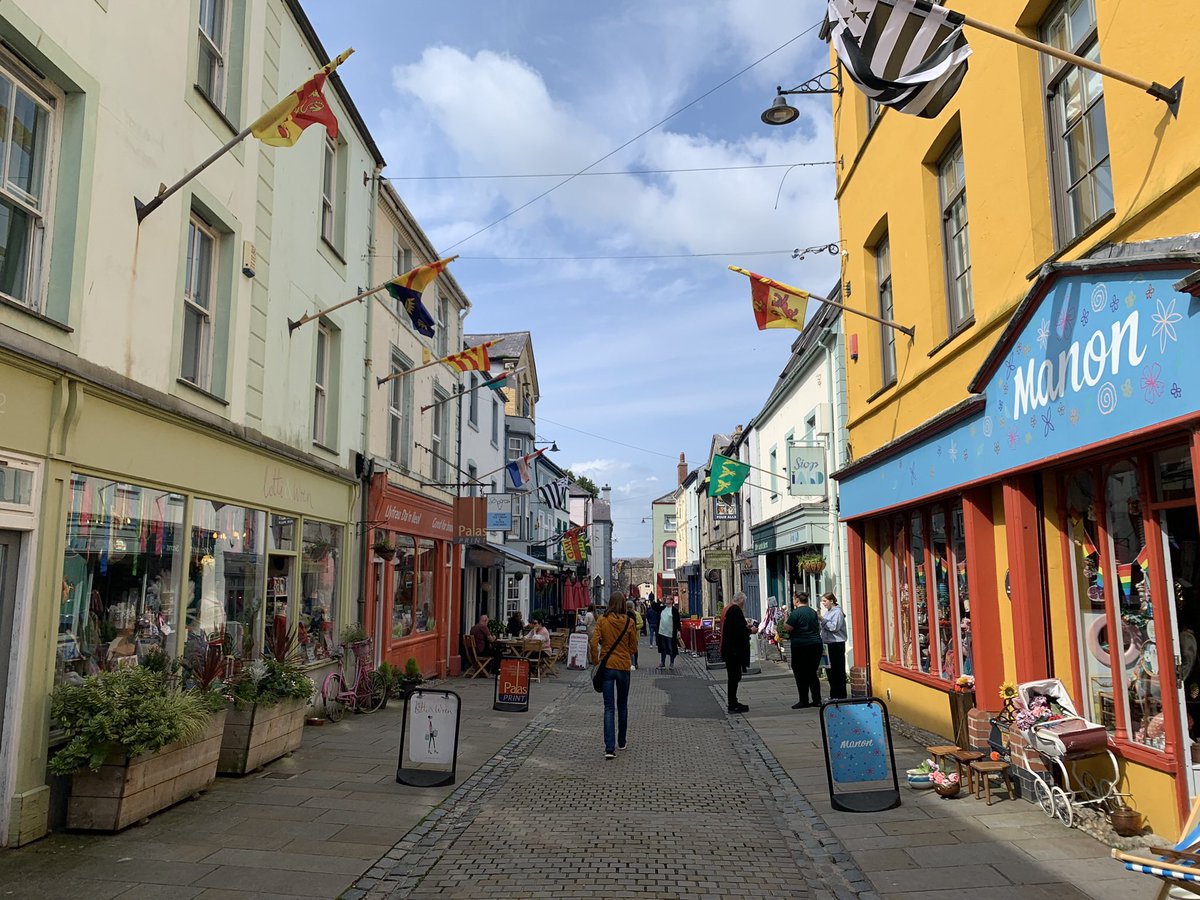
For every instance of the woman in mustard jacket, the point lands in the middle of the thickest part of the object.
(615, 630)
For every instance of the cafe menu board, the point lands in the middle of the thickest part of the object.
(860, 763)
(512, 685)
(429, 738)
(577, 650)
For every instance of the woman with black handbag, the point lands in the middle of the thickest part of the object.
(614, 635)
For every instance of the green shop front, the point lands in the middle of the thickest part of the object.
(138, 527)
(792, 550)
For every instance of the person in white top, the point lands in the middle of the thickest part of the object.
(537, 631)
(833, 634)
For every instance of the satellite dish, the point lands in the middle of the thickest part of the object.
(712, 576)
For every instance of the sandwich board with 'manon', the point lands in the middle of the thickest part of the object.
(859, 760)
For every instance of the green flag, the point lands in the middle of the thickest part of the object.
(726, 475)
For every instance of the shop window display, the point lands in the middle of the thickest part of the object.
(121, 576)
(226, 574)
(426, 561)
(887, 571)
(920, 593)
(320, 577)
(403, 587)
(1088, 584)
(962, 599)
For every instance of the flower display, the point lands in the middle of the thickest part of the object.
(938, 777)
(965, 683)
(1008, 690)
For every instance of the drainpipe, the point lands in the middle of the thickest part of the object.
(368, 466)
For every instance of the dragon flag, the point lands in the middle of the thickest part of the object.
(726, 476)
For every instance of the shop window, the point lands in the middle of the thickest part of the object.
(924, 594)
(122, 574)
(226, 576)
(887, 335)
(16, 485)
(282, 534)
(320, 581)
(214, 50)
(199, 303)
(27, 120)
(1087, 584)
(956, 250)
(1080, 174)
(403, 587)
(441, 440)
(426, 567)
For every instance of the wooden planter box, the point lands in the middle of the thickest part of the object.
(258, 734)
(125, 791)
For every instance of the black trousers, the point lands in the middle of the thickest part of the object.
(806, 659)
(734, 671)
(837, 670)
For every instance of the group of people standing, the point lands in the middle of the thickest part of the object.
(813, 634)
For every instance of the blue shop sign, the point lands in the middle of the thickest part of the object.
(1103, 353)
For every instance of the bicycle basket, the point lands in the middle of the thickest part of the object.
(363, 655)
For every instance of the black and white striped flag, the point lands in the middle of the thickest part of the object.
(555, 493)
(910, 55)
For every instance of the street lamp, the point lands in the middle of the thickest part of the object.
(781, 113)
(553, 445)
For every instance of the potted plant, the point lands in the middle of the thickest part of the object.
(946, 784)
(920, 778)
(353, 634)
(410, 678)
(812, 564)
(267, 702)
(136, 744)
(384, 547)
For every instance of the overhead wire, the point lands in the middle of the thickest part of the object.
(636, 137)
(601, 437)
(823, 162)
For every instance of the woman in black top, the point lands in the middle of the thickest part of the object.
(804, 627)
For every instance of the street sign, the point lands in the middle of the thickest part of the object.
(499, 512)
(860, 763)
(512, 685)
(429, 738)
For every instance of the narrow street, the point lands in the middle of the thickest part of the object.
(701, 805)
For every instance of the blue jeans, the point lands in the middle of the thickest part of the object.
(616, 705)
(653, 635)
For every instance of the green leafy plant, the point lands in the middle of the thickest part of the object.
(496, 627)
(353, 633)
(205, 669)
(278, 676)
(132, 710)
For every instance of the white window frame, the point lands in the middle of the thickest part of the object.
(516, 449)
(443, 332)
(496, 414)
(956, 244)
(472, 477)
(473, 401)
(403, 256)
(329, 188)
(38, 207)
(218, 45)
(512, 596)
(669, 547)
(399, 413)
(439, 436)
(203, 307)
(883, 286)
(324, 350)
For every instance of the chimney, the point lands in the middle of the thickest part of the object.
(681, 473)
(606, 493)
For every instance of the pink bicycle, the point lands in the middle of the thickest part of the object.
(366, 693)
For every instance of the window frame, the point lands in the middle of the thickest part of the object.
(474, 385)
(329, 188)
(949, 198)
(515, 446)
(323, 353)
(496, 416)
(1055, 75)
(442, 336)
(399, 400)
(438, 435)
(669, 557)
(885, 298)
(197, 229)
(221, 52)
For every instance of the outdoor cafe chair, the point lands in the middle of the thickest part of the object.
(476, 667)
(531, 649)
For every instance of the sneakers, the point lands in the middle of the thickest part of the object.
(739, 708)
(622, 746)
(608, 754)
(632, 667)
(801, 705)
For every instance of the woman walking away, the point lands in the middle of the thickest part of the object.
(735, 647)
(833, 634)
(804, 627)
(654, 614)
(613, 644)
(668, 634)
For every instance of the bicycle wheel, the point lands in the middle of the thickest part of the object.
(1043, 795)
(331, 692)
(373, 695)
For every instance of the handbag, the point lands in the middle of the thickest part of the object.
(598, 672)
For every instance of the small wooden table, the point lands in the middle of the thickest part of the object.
(938, 752)
(988, 769)
(964, 758)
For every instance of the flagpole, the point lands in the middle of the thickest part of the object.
(903, 329)
(489, 383)
(1168, 95)
(433, 362)
(530, 456)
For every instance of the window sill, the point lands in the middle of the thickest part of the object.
(474, 426)
(220, 113)
(33, 313)
(322, 446)
(411, 638)
(952, 337)
(1073, 243)
(883, 390)
(925, 678)
(199, 390)
(332, 249)
(1145, 756)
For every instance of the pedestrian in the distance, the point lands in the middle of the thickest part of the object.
(655, 613)
(669, 629)
(589, 620)
(636, 623)
(613, 643)
(833, 634)
(735, 648)
(803, 626)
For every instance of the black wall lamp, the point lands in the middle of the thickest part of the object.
(553, 445)
(781, 113)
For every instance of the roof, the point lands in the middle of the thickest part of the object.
(310, 35)
(509, 344)
(390, 195)
(665, 498)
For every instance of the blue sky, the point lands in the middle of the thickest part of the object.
(653, 353)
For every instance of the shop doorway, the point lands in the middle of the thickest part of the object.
(10, 547)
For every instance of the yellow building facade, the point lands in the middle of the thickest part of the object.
(1022, 485)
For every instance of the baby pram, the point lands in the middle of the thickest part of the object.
(1063, 743)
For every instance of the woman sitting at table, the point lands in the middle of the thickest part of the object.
(516, 625)
(537, 631)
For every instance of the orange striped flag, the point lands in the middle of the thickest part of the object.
(473, 359)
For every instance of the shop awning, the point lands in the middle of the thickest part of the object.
(515, 555)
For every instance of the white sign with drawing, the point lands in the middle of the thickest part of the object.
(577, 651)
(432, 720)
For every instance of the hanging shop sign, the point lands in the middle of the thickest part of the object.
(512, 685)
(470, 518)
(429, 738)
(499, 512)
(1087, 357)
(725, 508)
(859, 761)
(806, 471)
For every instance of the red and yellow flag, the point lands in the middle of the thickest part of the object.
(283, 123)
(776, 305)
(473, 359)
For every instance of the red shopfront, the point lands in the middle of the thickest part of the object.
(412, 598)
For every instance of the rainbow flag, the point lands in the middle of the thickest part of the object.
(1125, 577)
(1143, 561)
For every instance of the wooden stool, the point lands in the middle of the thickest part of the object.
(965, 758)
(987, 769)
(938, 752)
